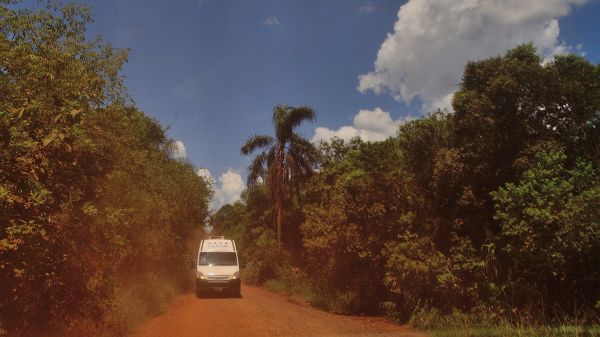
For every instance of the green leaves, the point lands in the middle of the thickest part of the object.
(257, 142)
(286, 160)
(82, 199)
(53, 135)
(74, 112)
(534, 237)
(419, 274)
(18, 112)
(40, 196)
(89, 209)
(549, 227)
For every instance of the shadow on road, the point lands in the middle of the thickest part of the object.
(214, 294)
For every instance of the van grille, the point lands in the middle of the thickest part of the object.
(217, 277)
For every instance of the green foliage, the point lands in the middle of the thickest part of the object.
(419, 274)
(508, 106)
(245, 221)
(435, 176)
(353, 207)
(286, 160)
(263, 259)
(487, 215)
(230, 221)
(549, 242)
(88, 192)
(509, 330)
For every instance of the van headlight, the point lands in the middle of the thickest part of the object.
(200, 275)
(236, 275)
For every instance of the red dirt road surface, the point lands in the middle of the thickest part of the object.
(260, 313)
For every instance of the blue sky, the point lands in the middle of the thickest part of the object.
(212, 70)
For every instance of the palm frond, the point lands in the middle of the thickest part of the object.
(280, 115)
(307, 149)
(287, 118)
(257, 169)
(285, 160)
(270, 156)
(303, 165)
(303, 143)
(257, 142)
(299, 114)
(280, 112)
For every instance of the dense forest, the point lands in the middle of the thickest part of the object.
(95, 212)
(490, 211)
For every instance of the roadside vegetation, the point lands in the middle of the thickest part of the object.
(95, 212)
(484, 221)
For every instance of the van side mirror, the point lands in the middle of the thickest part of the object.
(242, 265)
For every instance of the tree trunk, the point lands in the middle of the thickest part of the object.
(279, 222)
(279, 194)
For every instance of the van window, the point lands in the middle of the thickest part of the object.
(217, 259)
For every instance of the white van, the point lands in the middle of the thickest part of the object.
(217, 268)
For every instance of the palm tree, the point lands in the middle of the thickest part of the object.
(285, 160)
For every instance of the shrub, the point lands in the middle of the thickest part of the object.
(418, 274)
(265, 257)
(549, 246)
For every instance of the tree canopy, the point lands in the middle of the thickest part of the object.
(286, 159)
(493, 205)
(90, 195)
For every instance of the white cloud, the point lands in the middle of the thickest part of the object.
(270, 21)
(178, 150)
(229, 189)
(579, 48)
(368, 125)
(205, 173)
(433, 39)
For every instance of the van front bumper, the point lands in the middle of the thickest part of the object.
(221, 285)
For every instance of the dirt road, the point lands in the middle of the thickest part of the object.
(260, 313)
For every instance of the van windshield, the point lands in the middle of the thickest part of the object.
(217, 259)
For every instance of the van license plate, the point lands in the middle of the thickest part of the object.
(219, 289)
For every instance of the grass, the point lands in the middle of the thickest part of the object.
(296, 283)
(276, 286)
(506, 330)
(485, 322)
(482, 323)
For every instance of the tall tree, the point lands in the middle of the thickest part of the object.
(506, 109)
(285, 159)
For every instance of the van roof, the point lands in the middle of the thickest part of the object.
(218, 245)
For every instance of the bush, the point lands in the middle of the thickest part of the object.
(85, 203)
(418, 274)
(277, 286)
(346, 303)
(139, 299)
(265, 258)
(548, 250)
